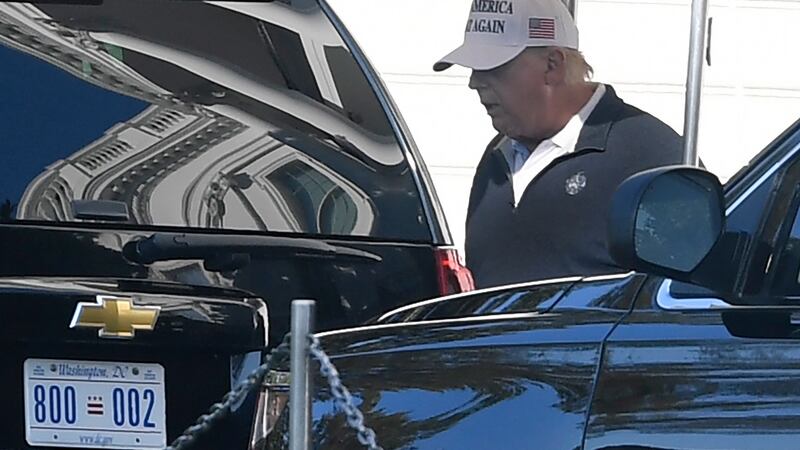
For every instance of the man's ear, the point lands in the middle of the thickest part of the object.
(556, 66)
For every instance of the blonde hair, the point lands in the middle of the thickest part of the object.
(577, 69)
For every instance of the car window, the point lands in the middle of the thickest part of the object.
(747, 200)
(781, 238)
(787, 274)
(233, 115)
(746, 216)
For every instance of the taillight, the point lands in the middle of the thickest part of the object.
(453, 275)
(272, 402)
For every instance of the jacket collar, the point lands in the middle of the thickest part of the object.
(594, 134)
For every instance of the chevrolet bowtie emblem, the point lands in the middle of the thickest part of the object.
(116, 317)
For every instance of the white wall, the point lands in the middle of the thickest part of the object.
(751, 90)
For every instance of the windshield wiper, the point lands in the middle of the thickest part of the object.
(236, 250)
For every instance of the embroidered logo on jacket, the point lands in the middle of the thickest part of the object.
(576, 183)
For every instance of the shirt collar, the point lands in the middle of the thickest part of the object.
(567, 138)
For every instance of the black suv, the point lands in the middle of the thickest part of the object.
(172, 171)
(698, 349)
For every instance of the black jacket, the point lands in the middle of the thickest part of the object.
(559, 227)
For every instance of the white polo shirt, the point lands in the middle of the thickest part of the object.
(525, 166)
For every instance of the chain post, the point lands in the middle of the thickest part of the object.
(304, 345)
(300, 384)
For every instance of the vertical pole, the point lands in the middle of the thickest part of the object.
(572, 5)
(300, 387)
(694, 81)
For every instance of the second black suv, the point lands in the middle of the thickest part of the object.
(173, 170)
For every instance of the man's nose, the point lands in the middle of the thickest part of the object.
(476, 80)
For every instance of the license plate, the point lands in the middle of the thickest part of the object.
(91, 404)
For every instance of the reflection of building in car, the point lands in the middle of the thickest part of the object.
(292, 191)
(155, 152)
(126, 164)
(287, 190)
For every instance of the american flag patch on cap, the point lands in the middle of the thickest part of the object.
(542, 28)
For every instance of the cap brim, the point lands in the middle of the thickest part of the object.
(478, 57)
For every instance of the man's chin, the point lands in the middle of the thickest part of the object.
(500, 125)
(513, 133)
(508, 132)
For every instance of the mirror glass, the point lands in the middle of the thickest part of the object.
(678, 221)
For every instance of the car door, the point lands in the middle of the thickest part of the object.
(686, 370)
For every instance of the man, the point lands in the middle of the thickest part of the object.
(542, 190)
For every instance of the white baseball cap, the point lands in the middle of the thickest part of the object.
(499, 30)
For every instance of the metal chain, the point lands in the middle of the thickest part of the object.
(342, 396)
(219, 410)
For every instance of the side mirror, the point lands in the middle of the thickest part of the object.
(665, 221)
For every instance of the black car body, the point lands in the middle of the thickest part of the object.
(707, 360)
(205, 162)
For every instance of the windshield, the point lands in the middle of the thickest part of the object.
(232, 115)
